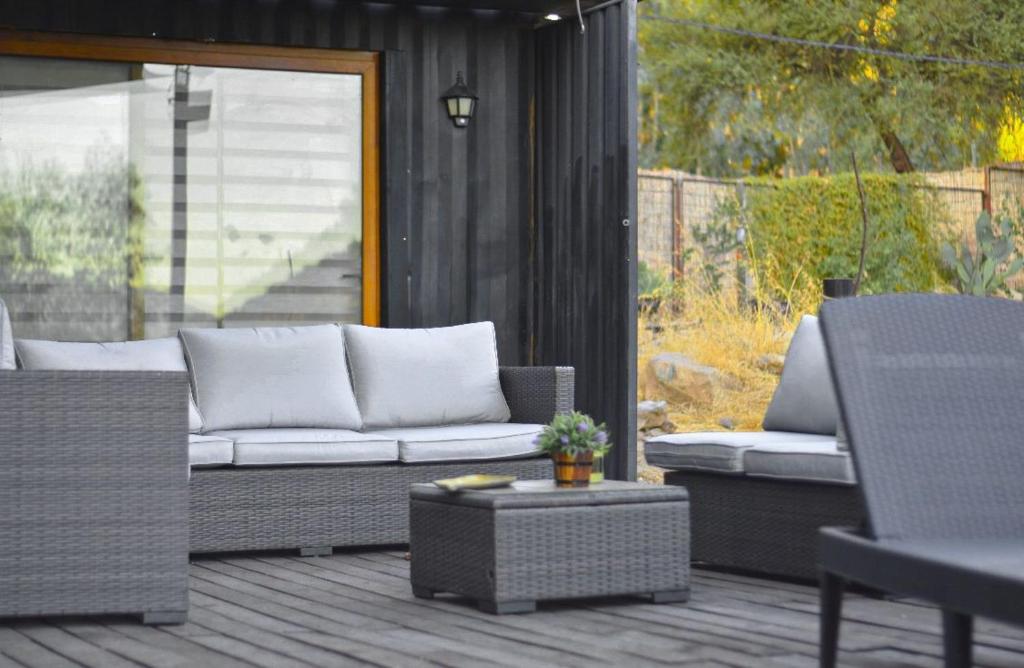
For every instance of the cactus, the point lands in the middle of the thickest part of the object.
(985, 270)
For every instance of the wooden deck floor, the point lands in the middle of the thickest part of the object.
(355, 608)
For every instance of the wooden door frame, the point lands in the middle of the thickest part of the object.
(214, 54)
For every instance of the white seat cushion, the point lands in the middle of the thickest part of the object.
(271, 377)
(275, 447)
(720, 451)
(426, 377)
(464, 442)
(209, 450)
(149, 355)
(813, 462)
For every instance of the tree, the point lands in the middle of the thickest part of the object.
(730, 105)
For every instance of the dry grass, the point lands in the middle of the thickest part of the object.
(714, 330)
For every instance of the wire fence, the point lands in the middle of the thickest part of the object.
(674, 206)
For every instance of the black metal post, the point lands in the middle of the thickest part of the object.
(837, 288)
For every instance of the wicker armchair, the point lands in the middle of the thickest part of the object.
(93, 494)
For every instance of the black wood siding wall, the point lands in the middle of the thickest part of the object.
(456, 203)
(586, 211)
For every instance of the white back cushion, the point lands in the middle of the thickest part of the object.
(424, 377)
(151, 355)
(257, 378)
(7, 359)
(805, 400)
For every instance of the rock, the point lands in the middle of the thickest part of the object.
(651, 415)
(727, 423)
(771, 362)
(681, 380)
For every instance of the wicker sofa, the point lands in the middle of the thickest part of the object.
(757, 499)
(308, 437)
(315, 508)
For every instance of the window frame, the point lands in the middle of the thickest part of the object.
(366, 64)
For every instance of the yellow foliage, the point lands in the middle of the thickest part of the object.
(1011, 137)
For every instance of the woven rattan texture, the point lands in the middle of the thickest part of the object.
(535, 394)
(929, 386)
(768, 526)
(303, 506)
(93, 492)
(550, 553)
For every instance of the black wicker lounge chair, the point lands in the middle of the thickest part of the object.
(929, 388)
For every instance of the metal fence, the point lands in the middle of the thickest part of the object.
(673, 204)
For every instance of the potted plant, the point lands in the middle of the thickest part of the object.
(572, 439)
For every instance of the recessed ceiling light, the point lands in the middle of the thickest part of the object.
(553, 17)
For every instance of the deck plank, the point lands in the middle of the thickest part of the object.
(70, 645)
(22, 649)
(355, 608)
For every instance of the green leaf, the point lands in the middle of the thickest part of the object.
(983, 227)
(967, 259)
(949, 255)
(988, 270)
(965, 278)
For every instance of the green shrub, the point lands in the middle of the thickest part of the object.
(805, 229)
(650, 282)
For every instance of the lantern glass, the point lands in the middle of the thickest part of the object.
(459, 102)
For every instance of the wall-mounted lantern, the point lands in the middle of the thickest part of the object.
(460, 101)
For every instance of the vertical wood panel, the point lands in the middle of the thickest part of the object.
(585, 281)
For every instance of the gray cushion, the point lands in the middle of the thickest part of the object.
(268, 377)
(7, 358)
(842, 442)
(720, 451)
(815, 462)
(804, 401)
(204, 450)
(150, 355)
(271, 447)
(425, 377)
(464, 442)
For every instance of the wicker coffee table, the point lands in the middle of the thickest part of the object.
(509, 548)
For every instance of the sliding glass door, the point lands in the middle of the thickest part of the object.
(137, 198)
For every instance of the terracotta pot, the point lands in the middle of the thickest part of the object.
(573, 470)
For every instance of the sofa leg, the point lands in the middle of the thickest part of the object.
(422, 592)
(831, 593)
(316, 551)
(164, 617)
(957, 630)
(673, 596)
(506, 607)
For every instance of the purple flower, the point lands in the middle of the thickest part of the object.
(601, 437)
(582, 427)
(536, 439)
(564, 439)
